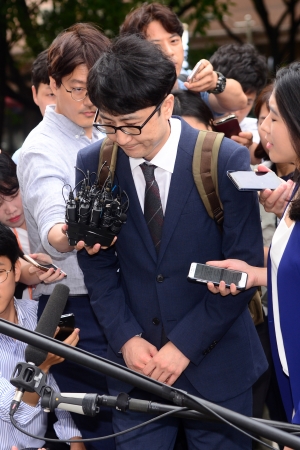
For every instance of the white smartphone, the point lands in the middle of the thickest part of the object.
(204, 273)
(250, 180)
(41, 265)
(194, 71)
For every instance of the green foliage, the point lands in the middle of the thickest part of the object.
(36, 23)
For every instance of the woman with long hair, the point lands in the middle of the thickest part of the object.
(282, 131)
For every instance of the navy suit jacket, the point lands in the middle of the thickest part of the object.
(289, 309)
(130, 285)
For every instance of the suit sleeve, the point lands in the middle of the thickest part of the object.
(102, 279)
(212, 317)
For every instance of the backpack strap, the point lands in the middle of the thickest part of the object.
(205, 172)
(107, 155)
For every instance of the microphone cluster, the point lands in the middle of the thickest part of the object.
(97, 213)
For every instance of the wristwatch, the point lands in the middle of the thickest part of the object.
(221, 84)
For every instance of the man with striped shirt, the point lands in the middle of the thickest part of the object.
(29, 416)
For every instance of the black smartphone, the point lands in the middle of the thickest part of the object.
(66, 326)
(203, 273)
(41, 265)
(228, 125)
(249, 180)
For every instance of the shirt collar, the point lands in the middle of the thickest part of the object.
(67, 126)
(21, 318)
(165, 158)
(20, 313)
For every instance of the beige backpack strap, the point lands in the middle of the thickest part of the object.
(107, 156)
(205, 172)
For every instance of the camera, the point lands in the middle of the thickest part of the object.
(96, 214)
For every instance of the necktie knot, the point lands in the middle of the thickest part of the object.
(148, 171)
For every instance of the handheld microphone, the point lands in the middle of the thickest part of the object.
(28, 377)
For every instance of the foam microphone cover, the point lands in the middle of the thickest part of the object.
(48, 322)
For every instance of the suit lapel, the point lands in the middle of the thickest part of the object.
(182, 183)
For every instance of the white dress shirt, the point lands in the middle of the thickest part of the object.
(165, 162)
(279, 243)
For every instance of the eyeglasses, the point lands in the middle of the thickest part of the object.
(4, 274)
(77, 93)
(128, 129)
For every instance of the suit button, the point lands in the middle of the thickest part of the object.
(155, 321)
(160, 278)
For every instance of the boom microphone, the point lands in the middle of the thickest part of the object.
(28, 377)
(48, 322)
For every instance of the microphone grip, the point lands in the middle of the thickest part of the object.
(71, 215)
(83, 213)
(85, 404)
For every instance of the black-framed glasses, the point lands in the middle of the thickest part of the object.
(4, 274)
(77, 93)
(127, 129)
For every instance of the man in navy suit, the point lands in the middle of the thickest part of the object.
(156, 321)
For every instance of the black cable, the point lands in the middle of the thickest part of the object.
(237, 428)
(62, 190)
(168, 413)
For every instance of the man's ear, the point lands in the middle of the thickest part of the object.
(168, 106)
(17, 270)
(53, 85)
(34, 95)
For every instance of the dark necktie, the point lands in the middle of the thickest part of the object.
(153, 211)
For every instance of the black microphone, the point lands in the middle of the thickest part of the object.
(48, 322)
(25, 375)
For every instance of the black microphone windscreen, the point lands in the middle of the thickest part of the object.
(48, 322)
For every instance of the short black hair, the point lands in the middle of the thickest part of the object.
(9, 245)
(9, 184)
(188, 103)
(133, 74)
(39, 70)
(242, 63)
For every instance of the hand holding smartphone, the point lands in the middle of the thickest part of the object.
(44, 267)
(66, 326)
(203, 273)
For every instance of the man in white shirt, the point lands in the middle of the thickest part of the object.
(46, 173)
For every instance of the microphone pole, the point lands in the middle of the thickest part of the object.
(140, 381)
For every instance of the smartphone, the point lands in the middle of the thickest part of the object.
(41, 265)
(249, 180)
(228, 125)
(66, 326)
(204, 273)
(194, 71)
